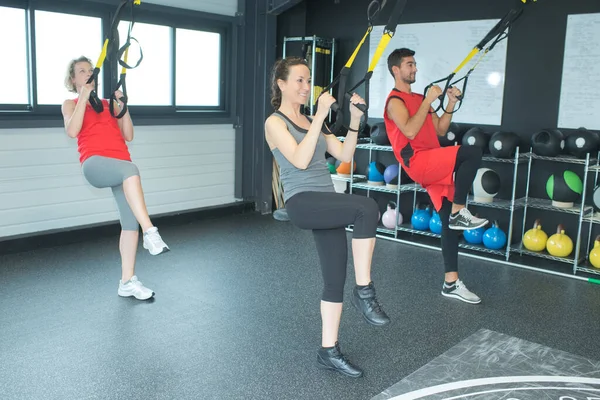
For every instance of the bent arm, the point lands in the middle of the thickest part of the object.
(298, 154)
(409, 126)
(443, 124)
(344, 151)
(125, 123)
(73, 116)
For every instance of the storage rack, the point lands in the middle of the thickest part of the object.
(585, 212)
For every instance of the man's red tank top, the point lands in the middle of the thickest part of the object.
(426, 139)
(100, 135)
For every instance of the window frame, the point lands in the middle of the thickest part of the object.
(34, 115)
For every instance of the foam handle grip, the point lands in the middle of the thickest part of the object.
(335, 107)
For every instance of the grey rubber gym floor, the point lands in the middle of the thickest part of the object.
(236, 316)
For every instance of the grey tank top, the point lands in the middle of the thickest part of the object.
(315, 178)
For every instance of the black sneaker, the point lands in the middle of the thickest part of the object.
(366, 302)
(333, 359)
(464, 220)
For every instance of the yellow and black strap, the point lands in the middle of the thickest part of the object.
(343, 95)
(112, 50)
(498, 33)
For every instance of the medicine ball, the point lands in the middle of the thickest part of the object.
(390, 175)
(581, 142)
(379, 134)
(374, 173)
(486, 185)
(476, 137)
(596, 198)
(343, 168)
(548, 142)
(564, 188)
(454, 135)
(504, 144)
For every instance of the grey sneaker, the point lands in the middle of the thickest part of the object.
(134, 288)
(154, 243)
(464, 220)
(459, 291)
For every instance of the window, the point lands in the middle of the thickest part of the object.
(59, 39)
(198, 61)
(13, 72)
(150, 83)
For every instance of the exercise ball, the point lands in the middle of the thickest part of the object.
(559, 244)
(595, 253)
(420, 219)
(476, 137)
(343, 168)
(564, 189)
(474, 236)
(390, 175)
(379, 134)
(452, 137)
(494, 238)
(581, 142)
(535, 239)
(486, 185)
(596, 198)
(374, 173)
(389, 217)
(435, 223)
(547, 142)
(504, 144)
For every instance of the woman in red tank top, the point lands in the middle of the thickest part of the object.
(106, 162)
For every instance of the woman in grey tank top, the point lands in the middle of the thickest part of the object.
(299, 144)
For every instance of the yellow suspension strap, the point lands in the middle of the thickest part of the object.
(498, 33)
(343, 96)
(112, 50)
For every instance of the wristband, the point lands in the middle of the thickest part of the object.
(352, 130)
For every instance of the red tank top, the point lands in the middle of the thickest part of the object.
(100, 135)
(426, 139)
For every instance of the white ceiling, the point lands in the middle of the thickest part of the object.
(223, 7)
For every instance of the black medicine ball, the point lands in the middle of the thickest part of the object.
(547, 142)
(504, 144)
(596, 198)
(476, 137)
(581, 142)
(453, 136)
(379, 134)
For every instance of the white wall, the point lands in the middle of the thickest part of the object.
(223, 7)
(42, 187)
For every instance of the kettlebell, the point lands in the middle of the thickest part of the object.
(535, 239)
(435, 223)
(420, 219)
(494, 238)
(559, 244)
(595, 253)
(389, 217)
(474, 236)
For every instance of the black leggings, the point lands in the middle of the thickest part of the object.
(327, 214)
(468, 160)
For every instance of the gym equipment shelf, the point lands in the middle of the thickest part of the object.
(585, 212)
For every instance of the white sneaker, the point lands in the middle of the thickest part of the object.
(464, 220)
(135, 288)
(460, 291)
(154, 243)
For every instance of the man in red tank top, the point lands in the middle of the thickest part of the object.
(447, 173)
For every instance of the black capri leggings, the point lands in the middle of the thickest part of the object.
(468, 160)
(327, 214)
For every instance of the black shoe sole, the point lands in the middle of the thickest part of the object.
(328, 368)
(353, 301)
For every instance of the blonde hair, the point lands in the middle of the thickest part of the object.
(71, 72)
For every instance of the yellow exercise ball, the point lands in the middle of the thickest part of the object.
(595, 253)
(559, 244)
(535, 239)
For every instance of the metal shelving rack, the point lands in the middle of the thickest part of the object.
(314, 41)
(584, 212)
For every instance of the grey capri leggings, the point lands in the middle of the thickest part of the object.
(102, 172)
